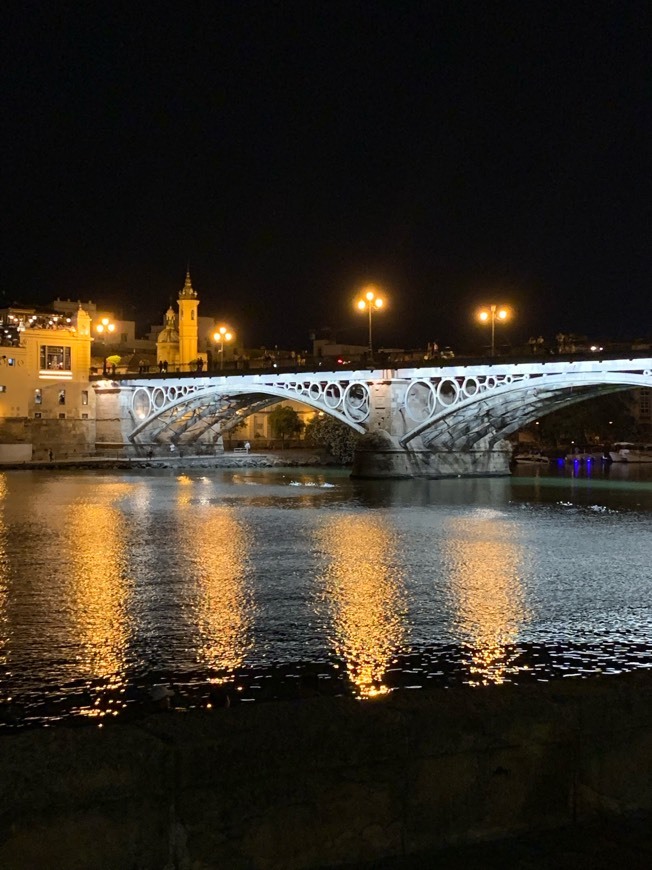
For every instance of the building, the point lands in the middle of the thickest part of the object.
(46, 403)
(177, 344)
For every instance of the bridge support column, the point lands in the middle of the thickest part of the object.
(380, 455)
(385, 460)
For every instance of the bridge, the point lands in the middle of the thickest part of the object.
(434, 421)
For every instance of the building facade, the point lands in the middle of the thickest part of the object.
(47, 407)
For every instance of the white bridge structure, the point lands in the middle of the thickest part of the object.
(440, 421)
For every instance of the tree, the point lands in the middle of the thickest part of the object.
(338, 438)
(284, 421)
(602, 419)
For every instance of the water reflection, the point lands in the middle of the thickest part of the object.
(215, 544)
(366, 598)
(4, 570)
(98, 595)
(484, 559)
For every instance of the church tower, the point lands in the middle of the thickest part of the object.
(188, 327)
(167, 344)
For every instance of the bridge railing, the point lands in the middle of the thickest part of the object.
(328, 364)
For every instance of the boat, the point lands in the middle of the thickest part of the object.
(585, 455)
(629, 451)
(531, 459)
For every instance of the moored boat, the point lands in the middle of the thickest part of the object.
(629, 451)
(531, 459)
(585, 455)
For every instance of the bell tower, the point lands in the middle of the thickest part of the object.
(188, 328)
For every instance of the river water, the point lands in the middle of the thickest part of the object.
(284, 583)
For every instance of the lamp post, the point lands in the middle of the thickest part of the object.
(222, 335)
(370, 301)
(105, 328)
(491, 314)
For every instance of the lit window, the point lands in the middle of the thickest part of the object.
(84, 397)
(62, 397)
(38, 397)
(55, 358)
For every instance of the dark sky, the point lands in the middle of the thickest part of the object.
(452, 152)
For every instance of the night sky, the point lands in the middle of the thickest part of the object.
(454, 153)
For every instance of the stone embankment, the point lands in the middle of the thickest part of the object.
(331, 782)
(271, 459)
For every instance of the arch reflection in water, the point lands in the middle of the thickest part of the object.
(216, 546)
(484, 559)
(99, 595)
(363, 589)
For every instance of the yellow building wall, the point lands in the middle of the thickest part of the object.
(50, 408)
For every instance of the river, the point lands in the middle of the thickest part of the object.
(284, 583)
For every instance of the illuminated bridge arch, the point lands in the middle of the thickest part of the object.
(183, 410)
(460, 412)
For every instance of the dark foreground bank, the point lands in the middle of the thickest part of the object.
(410, 780)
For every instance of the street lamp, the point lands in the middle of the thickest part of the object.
(104, 328)
(491, 314)
(370, 301)
(222, 335)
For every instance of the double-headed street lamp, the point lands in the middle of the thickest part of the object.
(370, 301)
(491, 314)
(222, 335)
(104, 329)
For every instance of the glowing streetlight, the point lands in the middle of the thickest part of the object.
(104, 329)
(491, 314)
(370, 301)
(222, 335)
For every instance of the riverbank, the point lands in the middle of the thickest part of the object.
(292, 458)
(324, 783)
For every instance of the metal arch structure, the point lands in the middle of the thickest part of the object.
(461, 409)
(183, 410)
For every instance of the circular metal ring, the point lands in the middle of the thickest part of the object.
(141, 403)
(470, 387)
(420, 400)
(451, 397)
(158, 398)
(332, 395)
(357, 401)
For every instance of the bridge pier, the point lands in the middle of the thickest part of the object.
(386, 459)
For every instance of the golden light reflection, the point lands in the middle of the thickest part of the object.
(365, 595)
(4, 571)
(217, 546)
(99, 594)
(484, 562)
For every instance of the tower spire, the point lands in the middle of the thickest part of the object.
(187, 292)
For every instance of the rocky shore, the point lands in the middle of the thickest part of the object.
(292, 458)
